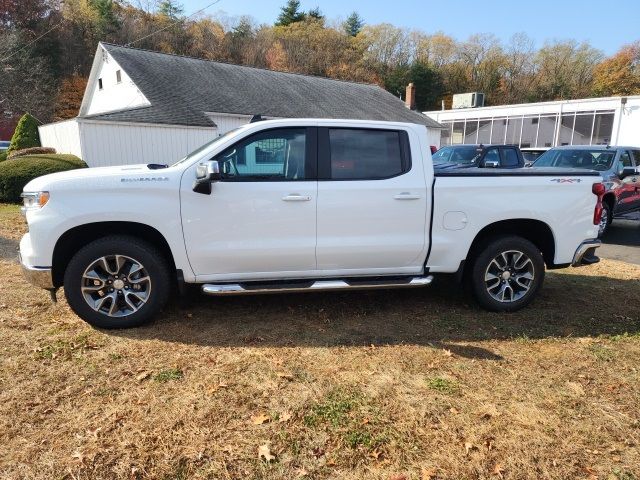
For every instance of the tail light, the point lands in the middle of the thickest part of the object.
(434, 149)
(598, 190)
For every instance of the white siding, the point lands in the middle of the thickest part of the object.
(114, 95)
(109, 143)
(63, 136)
(433, 134)
(227, 122)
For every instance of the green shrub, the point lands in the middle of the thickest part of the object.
(31, 151)
(17, 172)
(26, 134)
(3, 155)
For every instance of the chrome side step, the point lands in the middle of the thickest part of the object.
(311, 286)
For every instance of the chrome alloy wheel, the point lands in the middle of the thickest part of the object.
(116, 285)
(604, 222)
(509, 276)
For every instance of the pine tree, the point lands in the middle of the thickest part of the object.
(354, 24)
(26, 134)
(316, 14)
(170, 9)
(290, 14)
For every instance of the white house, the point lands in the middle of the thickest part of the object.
(148, 107)
(591, 121)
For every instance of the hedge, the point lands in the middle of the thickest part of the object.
(3, 155)
(15, 173)
(26, 134)
(31, 151)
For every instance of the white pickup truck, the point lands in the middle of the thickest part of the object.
(302, 205)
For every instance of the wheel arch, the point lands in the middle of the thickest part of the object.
(610, 199)
(77, 237)
(536, 231)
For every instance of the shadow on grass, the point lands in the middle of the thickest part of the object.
(8, 248)
(568, 306)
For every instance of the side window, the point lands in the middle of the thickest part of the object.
(510, 157)
(636, 157)
(492, 155)
(278, 154)
(625, 160)
(361, 154)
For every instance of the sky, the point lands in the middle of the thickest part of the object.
(607, 25)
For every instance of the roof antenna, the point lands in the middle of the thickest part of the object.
(256, 118)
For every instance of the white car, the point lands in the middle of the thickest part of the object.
(301, 205)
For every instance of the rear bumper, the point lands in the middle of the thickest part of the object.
(38, 276)
(585, 254)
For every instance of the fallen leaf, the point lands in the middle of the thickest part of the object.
(78, 457)
(498, 470)
(376, 453)
(301, 472)
(468, 446)
(94, 432)
(428, 473)
(447, 353)
(260, 419)
(284, 417)
(454, 410)
(264, 453)
(144, 375)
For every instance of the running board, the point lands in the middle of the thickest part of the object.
(314, 286)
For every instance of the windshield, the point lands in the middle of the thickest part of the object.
(199, 150)
(466, 154)
(600, 160)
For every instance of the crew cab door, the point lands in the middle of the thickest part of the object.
(260, 219)
(372, 202)
(627, 189)
(635, 180)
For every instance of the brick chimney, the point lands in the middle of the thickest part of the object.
(410, 97)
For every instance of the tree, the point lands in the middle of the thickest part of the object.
(26, 134)
(290, 13)
(353, 25)
(170, 9)
(69, 97)
(315, 14)
(619, 74)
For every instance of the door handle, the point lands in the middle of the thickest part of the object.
(294, 197)
(406, 196)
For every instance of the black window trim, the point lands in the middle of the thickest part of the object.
(311, 156)
(324, 154)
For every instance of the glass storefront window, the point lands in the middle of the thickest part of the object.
(498, 131)
(471, 131)
(582, 129)
(457, 136)
(546, 130)
(566, 129)
(529, 131)
(602, 128)
(484, 131)
(514, 125)
(445, 134)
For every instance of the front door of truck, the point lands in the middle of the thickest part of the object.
(260, 220)
(627, 187)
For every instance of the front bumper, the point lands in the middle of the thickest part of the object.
(585, 254)
(38, 276)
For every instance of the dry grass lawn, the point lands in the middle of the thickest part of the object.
(414, 384)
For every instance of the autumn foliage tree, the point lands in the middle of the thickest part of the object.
(620, 74)
(69, 97)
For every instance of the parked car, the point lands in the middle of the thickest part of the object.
(481, 156)
(531, 154)
(301, 205)
(4, 145)
(618, 168)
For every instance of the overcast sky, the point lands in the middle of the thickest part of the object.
(607, 25)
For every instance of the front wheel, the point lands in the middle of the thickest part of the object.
(117, 282)
(507, 273)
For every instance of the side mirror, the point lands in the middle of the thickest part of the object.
(206, 173)
(491, 164)
(628, 172)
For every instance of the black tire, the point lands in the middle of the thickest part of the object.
(156, 269)
(483, 269)
(608, 214)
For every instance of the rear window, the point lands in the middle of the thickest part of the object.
(360, 154)
(599, 160)
(457, 154)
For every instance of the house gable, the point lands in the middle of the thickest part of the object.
(110, 88)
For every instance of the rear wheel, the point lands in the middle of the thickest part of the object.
(507, 273)
(605, 219)
(117, 282)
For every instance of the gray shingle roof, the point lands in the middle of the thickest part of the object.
(180, 89)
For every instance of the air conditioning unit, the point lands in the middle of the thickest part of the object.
(468, 100)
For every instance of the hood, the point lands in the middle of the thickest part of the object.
(83, 174)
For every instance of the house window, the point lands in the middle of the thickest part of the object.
(118, 76)
(99, 84)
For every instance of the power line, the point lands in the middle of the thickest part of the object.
(33, 41)
(172, 24)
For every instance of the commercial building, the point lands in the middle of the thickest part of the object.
(592, 121)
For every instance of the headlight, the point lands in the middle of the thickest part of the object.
(34, 200)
